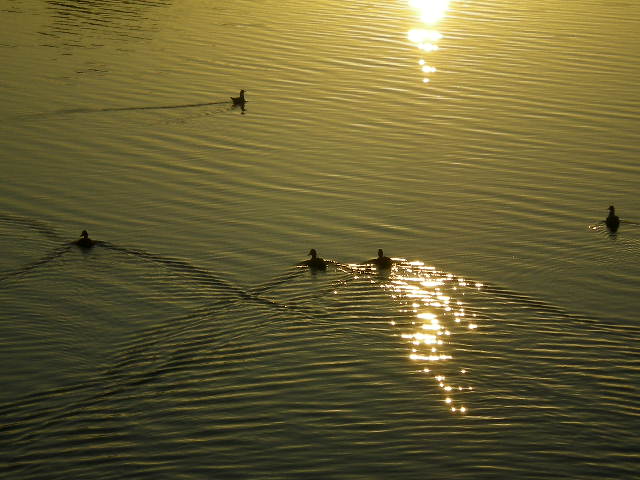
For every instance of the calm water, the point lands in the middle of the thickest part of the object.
(479, 142)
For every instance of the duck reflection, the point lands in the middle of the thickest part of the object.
(612, 221)
(381, 262)
(315, 262)
(239, 101)
(84, 241)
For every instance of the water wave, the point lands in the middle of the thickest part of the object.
(295, 358)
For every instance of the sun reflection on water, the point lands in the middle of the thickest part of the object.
(436, 315)
(425, 36)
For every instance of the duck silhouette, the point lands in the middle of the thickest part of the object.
(315, 262)
(84, 241)
(612, 221)
(381, 261)
(239, 101)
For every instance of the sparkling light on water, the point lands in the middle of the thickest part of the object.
(433, 299)
(431, 11)
(425, 36)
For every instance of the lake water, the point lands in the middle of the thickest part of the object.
(479, 143)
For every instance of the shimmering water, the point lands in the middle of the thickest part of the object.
(478, 143)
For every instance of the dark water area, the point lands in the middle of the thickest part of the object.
(478, 143)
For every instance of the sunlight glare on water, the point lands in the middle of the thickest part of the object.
(425, 36)
(187, 344)
(434, 301)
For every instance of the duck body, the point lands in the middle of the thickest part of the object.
(315, 262)
(84, 241)
(239, 100)
(381, 262)
(612, 221)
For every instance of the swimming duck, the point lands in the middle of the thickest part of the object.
(315, 262)
(84, 241)
(381, 261)
(612, 221)
(239, 100)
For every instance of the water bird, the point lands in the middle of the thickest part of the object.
(315, 262)
(381, 261)
(239, 101)
(612, 220)
(84, 241)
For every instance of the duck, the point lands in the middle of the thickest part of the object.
(381, 261)
(84, 241)
(315, 262)
(239, 100)
(612, 220)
